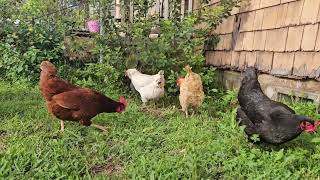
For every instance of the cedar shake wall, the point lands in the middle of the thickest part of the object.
(279, 37)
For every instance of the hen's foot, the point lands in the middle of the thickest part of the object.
(62, 126)
(102, 128)
(192, 113)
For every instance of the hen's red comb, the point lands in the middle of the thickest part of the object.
(311, 128)
(123, 101)
(179, 81)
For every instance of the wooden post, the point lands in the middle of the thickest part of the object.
(166, 9)
(157, 7)
(117, 10)
(131, 11)
(182, 8)
(123, 11)
(160, 8)
(101, 16)
(190, 6)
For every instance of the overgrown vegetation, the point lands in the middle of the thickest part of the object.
(158, 144)
(30, 36)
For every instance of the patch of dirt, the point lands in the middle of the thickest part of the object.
(3, 133)
(158, 113)
(108, 169)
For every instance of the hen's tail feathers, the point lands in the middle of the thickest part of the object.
(188, 69)
(48, 67)
(161, 72)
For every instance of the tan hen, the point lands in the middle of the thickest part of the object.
(191, 91)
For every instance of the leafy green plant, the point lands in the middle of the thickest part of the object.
(23, 48)
(181, 41)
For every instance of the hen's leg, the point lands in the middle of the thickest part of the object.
(183, 105)
(88, 123)
(193, 110)
(243, 119)
(144, 101)
(104, 129)
(186, 111)
(61, 125)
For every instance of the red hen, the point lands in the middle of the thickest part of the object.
(68, 102)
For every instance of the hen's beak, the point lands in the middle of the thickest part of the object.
(162, 85)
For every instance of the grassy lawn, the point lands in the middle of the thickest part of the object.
(158, 143)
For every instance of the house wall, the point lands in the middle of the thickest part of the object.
(279, 37)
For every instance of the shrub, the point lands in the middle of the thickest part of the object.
(25, 43)
(181, 41)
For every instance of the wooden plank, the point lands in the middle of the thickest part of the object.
(190, 6)
(118, 10)
(131, 11)
(166, 9)
(182, 8)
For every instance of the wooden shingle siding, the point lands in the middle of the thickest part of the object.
(294, 38)
(281, 62)
(279, 37)
(310, 11)
(268, 3)
(309, 37)
(264, 60)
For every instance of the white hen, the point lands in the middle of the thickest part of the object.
(148, 86)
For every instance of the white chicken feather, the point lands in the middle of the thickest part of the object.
(148, 86)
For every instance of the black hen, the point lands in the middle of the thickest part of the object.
(274, 122)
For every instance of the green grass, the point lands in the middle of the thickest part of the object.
(155, 144)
